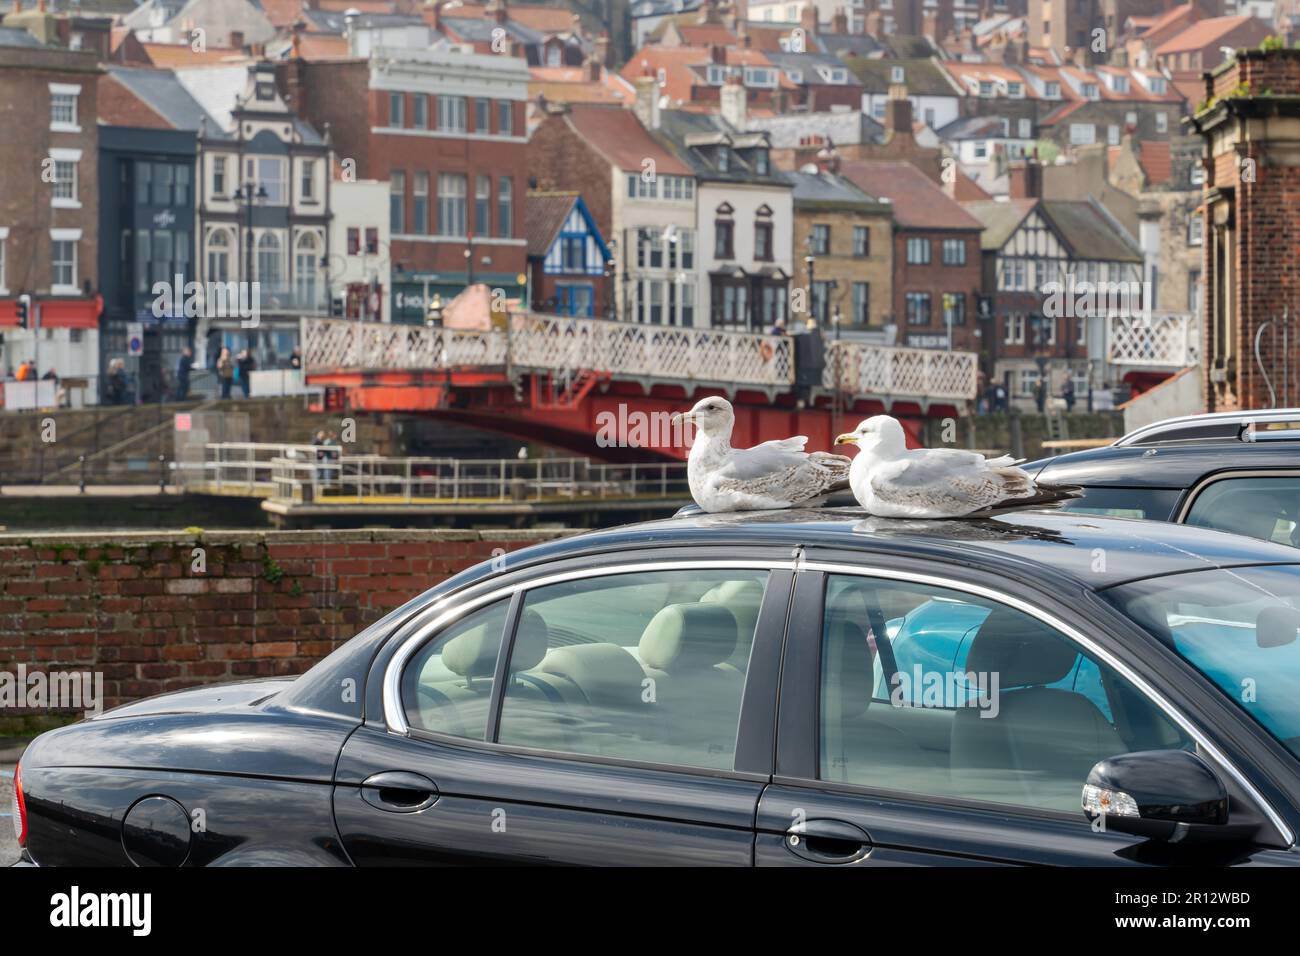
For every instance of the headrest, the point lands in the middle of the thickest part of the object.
(605, 673)
(850, 674)
(474, 653)
(734, 592)
(688, 636)
(1023, 652)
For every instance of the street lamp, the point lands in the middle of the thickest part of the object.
(469, 264)
(433, 315)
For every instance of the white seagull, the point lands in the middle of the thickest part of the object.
(775, 474)
(892, 481)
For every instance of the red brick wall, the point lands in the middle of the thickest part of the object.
(270, 603)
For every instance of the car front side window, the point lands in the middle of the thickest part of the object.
(647, 666)
(966, 698)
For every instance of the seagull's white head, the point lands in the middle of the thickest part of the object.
(881, 432)
(713, 416)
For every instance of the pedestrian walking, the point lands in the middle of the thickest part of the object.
(225, 372)
(183, 369)
(247, 366)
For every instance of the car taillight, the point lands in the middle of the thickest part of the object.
(20, 807)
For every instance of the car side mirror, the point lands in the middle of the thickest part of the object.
(1164, 795)
(1277, 626)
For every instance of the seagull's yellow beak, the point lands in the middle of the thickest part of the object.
(847, 439)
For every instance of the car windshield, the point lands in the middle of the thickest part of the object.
(1238, 627)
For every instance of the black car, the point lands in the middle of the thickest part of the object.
(1237, 472)
(770, 688)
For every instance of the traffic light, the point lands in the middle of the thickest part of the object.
(24, 310)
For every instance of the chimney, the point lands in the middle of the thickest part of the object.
(708, 12)
(435, 14)
(828, 160)
(874, 26)
(808, 19)
(930, 25)
(742, 34)
(898, 112)
(236, 40)
(647, 99)
(497, 10)
(1025, 180)
(840, 22)
(593, 69)
(733, 102)
(718, 54)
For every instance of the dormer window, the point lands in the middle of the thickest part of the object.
(717, 74)
(796, 76)
(833, 74)
(986, 87)
(265, 90)
(1016, 90)
(1052, 91)
(1158, 85)
(897, 74)
(761, 162)
(1119, 83)
(724, 159)
(1090, 91)
(760, 76)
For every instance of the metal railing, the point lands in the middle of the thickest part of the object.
(323, 474)
(881, 370)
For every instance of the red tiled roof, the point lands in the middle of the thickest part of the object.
(174, 55)
(618, 135)
(283, 13)
(917, 202)
(1160, 27)
(678, 64)
(1200, 35)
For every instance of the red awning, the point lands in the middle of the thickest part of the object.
(56, 313)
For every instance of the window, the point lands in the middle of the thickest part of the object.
(219, 248)
(933, 691)
(1015, 329)
(163, 174)
(1263, 507)
(897, 75)
(954, 309)
(1238, 629)
(65, 182)
(397, 201)
(419, 111)
(1162, 122)
(483, 205)
(372, 241)
(396, 114)
(763, 241)
(730, 302)
(1015, 275)
(954, 252)
(918, 252)
(63, 255)
(270, 172)
(354, 241)
(573, 253)
(918, 308)
(63, 108)
(1112, 135)
(1195, 230)
(181, 186)
(1016, 90)
(819, 240)
(451, 204)
(218, 175)
(1081, 332)
(723, 235)
(1052, 91)
(861, 303)
(505, 117)
(447, 685)
(1082, 134)
(505, 206)
(986, 87)
(270, 260)
(308, 179)
(861, 241)
(451, 114)
(420, 204)
(648, 666)
(482, 116)
(306, 261)
(1090, 91)
(821, 300)
(1119, 83)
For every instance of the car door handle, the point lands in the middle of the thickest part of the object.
(827, 841)
(399, 791)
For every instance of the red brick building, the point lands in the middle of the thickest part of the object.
(936, 255)
(446, 130)
(49, 200)
(1251, 264)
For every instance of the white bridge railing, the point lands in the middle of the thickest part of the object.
(1161, 340)
(878, 370)
(663, 353)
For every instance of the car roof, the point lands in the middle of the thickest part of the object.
(1162, 466)
(1050, 544)
(1219, 426)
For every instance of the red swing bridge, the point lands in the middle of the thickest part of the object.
(607, 389)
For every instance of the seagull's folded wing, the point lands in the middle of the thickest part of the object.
(764, 459)
(938, 479)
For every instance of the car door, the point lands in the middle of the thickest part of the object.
(978, 752)
(1262, 504)
(599, 716)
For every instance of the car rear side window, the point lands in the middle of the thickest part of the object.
(1152, 504)
(1264, 507)
(646, 667)
(447, 684)
(936, 692)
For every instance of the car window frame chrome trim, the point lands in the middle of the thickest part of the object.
(1189, 498)
(1211, 750)
(395, 717)
(1148, 432)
